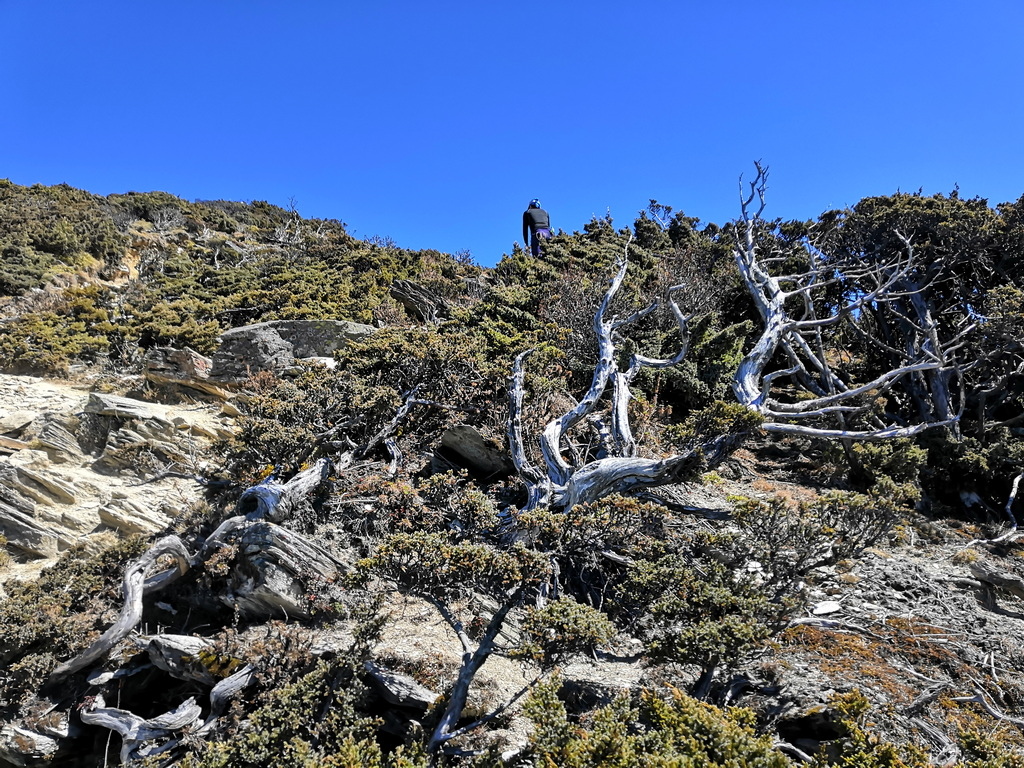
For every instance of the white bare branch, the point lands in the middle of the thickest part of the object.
(563, 483)
(889, 283)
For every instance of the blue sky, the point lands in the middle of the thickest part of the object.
(435, 123)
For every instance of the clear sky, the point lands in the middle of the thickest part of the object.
(434, 123)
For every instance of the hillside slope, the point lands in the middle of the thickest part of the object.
(303, 498)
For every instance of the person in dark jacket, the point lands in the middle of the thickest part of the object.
(536, 226)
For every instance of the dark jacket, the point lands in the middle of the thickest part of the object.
(534, 219)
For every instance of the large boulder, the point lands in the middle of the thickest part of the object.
(463, 447)
(276, 345)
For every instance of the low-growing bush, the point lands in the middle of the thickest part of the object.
(656, 730)
(561, 629)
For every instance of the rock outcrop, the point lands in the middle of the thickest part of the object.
(463, 447)
(276, 346)
(76, 463)
(185, 368)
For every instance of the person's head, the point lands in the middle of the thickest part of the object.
(535, 203)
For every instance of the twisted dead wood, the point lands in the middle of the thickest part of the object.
(136, 731)
(134, 586)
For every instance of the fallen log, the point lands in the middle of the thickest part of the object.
(277, 565)
(224, 691)
(180, 656)
(989, 574)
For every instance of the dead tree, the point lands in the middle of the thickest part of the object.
(561, 484)
(275, 563)
(269, 578)
(790, 355)
(822, 401)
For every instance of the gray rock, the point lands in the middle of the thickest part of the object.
(187, 368)
(124, 447)
(10, 496)
(128, 517)
(276, 345)
(27, 534)
(464, 447)
(399, 690)
(60, 444)
(120, 407)
(15, 421)
(11, 444)
(826, 607)
(40, 488)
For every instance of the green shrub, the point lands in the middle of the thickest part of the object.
(689, 613)
(429, 563)
(674, 730)
(789, 540)
(561, 629)
(318, 721)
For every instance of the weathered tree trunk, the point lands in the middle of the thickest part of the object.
(561, 484)
(278, 502)
(134, 587)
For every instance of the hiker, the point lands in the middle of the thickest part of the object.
(536, 226)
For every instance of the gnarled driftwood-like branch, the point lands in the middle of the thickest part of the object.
(134, 586)
(136, 731)
(792, 328)
(563, 483)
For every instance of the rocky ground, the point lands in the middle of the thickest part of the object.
(926, 625)
(54, 494)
